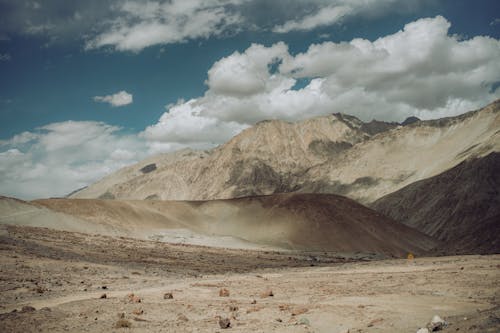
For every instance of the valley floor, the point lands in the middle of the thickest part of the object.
(63, 276)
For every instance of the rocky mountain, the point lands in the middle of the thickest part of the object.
(460, 206)
(294, 221)
(331, 154)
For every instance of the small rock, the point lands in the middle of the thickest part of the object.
(224, 292)
(253, 302)
(123, 323)
(304, 321)
(104, 296)
(437, 324)
(279, 320)
(375, 321)
(104, 287)
(168, 296)
(46, 309)
(423, 330)
(267, 293)
(133, 298)
(182, 317)
(27, 308)
(233, 308)
(299, 311)
(121, 315)
(138, 312)
(224, 323)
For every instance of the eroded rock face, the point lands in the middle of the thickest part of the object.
(336, 154)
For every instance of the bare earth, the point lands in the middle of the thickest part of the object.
(64, 274)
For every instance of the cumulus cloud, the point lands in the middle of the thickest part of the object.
(58, 158)
(420, 70)
(121, 98)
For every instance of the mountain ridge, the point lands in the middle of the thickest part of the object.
(328, 154)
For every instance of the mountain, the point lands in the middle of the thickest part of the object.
(460, 206)
(296, 221)
(331, 154)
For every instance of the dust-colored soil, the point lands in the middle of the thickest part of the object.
(63, 276)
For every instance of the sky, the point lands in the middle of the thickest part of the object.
(87, 87)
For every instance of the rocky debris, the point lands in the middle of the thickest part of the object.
(437, 324)
(168, 296)
(224, 292)
(299, 310)
(267, 293)
(123, 323)
(182, 317)
(27, 308)
(423, 330)
(133, 298)
(303, 321)
(148, 168)
(103, 296)
(138, 312)
(224, 323)
(375, 321)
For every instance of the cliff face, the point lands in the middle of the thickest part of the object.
(332, 154)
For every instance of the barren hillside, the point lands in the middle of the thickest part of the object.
(460, 206)
(331, 154)
(311, 222)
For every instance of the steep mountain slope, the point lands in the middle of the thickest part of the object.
(332, 154)
(460, 206)
(313, 222)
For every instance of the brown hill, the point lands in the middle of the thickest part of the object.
(460, 206)
(332, 154)
(312, 222)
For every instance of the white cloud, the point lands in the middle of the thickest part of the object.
(143, 24)
(331, 13)
(420, 70)
(61, 157)
(121, 98)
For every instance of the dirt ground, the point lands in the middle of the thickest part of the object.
(53, 281)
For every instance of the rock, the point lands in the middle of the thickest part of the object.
(224, 292)
(123, 323)
(182, 317)
(267, 293)
(168, 296)
(423, 330)
(299, 310)
(375, 321)
(437, 324)
(133, 298)
(104, 296)
(224, 323)
(233, 308)
(304, 321)
(121, 315)
(104, 287)
(27, 308)
(253, 302)
(138, 312)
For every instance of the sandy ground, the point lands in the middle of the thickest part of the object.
(63, 276)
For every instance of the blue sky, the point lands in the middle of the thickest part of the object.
(87, 87)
